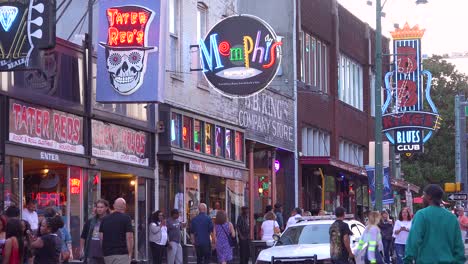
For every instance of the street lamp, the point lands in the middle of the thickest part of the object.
(378, 104)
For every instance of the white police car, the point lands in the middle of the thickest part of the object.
(300, 242)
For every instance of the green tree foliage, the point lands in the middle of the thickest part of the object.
(437, 163)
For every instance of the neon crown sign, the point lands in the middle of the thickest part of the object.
(240, 55)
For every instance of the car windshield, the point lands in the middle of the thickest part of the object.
(305, 234)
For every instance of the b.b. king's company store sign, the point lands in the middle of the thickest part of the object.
(268, 118)
(240, 55)
(44, 127)
(119, 143)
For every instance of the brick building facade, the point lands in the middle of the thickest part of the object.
(335, 106)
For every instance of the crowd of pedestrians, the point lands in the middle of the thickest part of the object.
(22, 244)
(40, 237)
(433, 235)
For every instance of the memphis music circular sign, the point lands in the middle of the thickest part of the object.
(240, 55)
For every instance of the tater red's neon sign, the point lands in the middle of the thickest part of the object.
(126, 28)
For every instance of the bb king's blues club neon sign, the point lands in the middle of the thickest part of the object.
(26, 27)
(240, 55)
(405, 112)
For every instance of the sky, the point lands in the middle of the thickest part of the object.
(445, 22)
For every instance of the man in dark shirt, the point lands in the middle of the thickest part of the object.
(116, 234)
(174, 226)
(340, 247)
(243, 231)
(200, 230)
(386, 229)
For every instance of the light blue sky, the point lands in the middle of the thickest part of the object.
(445, 22)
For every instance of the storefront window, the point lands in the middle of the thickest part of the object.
(93, 189)
(239, 146)
(76, 215)
(46, 183)
(9, 177)
(197, 129)
(144, 212)
(359, 196)
(236, 198)
(331, 198)
(219, 139)
(175, 129)
(365, 196)
(171, 188)
(192, 197)
(187, 133)
(59, 76)
(228, 144)
(209, 139)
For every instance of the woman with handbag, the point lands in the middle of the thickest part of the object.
(224, 237)
(269, 227)
(157, 236)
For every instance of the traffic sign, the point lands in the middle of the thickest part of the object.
(458, 197)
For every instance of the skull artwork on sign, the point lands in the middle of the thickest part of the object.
(125, 68)
(126, 47)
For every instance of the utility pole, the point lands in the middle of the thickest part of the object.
(460, 141)
(378, 108)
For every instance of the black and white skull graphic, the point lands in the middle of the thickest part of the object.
(126, 69)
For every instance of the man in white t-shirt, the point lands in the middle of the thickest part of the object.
(30, 215)
(295, 216)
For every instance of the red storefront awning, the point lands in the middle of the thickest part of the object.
(334, 163)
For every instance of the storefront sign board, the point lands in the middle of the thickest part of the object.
(119, 143)
(268, 118)
(49, 156)
(217, 170)
(46, 128)
(26, 28)
(128, 53)
(240, 55)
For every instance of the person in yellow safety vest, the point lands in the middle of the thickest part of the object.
(373, 238)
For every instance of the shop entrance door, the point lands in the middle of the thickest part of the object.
(213, 193)
(115, 185)
(137, 193)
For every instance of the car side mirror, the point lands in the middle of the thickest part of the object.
(276, 237)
